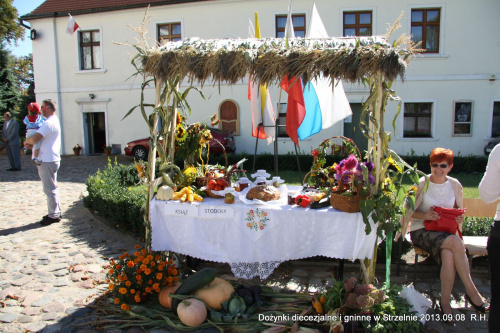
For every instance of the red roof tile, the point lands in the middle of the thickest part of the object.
(75, 7)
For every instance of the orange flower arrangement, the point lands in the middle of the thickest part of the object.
(132, 278)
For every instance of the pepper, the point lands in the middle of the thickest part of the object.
(302, 200)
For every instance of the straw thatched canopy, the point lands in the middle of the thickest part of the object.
(269, 60)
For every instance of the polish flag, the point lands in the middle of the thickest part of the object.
(72, 25)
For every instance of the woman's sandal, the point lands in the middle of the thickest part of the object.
(446, 321)
(483, 308)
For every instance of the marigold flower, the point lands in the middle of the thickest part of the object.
(111, 271)
(111, 286)
(118, 266)
(130, 264)
(128, 283)
(157, 257)
(174, 271)
(169, 270)
(170, 261)
(145, 261)
(161, 267)
(169, 279)
(137, 253)
(150, 281)
(148, 290)
(139, 282)
(175, 279)
(159, 276)
(143, 267)
(137, 246)
(152, 264)
(149, 257)
(147, 271)
(156, 285)
(117, 301)
(122, 291)
(125, 307)
(138, 277)
(143, 251)
(121, 257)
(137, 298)
(132, 291)
(139, 271)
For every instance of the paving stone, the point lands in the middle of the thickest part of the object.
(22, 281)
(61, 272)
(31, 311)
(77, 311)
(55, 267)
(50, 316)
(46, 256)
(76, 277)
(36, 327)
(54, 307)
(9, 291)
(25, 319)
(30, 298)
(43, 301)
(88, 284)
(8, 317)
(61, 282)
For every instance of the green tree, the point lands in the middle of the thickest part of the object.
(10, 30)
(9, 95)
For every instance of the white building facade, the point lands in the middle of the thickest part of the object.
(451, 93)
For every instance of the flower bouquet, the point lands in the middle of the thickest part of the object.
(133, 278)
(354, 177)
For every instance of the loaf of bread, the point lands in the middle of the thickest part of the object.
(264, 193)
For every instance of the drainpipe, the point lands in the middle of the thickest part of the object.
(58, 84)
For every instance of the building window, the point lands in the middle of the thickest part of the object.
(169, 32)
(462, 118)
(495, 126)
(425, 28)
(229, 116)
(299, 25)
(358, 23)
(90, 49)
(281, 121)
(417, 120)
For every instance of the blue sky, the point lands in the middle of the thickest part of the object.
(24, 7)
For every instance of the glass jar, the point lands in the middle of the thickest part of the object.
(277, 181)
(261, 181)
(244, 183)
(229, 196)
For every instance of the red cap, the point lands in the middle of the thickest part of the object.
(34, 107)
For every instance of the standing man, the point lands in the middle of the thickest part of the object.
(49, 136)
(489, 189)
(10, 135)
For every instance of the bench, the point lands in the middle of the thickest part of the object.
(475, 245)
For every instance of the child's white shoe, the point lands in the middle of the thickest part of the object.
(36, 161)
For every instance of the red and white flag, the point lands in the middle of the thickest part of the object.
(72, 25)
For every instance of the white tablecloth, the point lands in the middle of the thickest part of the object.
(255, 239)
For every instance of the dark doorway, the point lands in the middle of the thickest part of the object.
(95, 132)
(352, 130)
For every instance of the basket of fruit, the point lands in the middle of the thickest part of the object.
(217, 184)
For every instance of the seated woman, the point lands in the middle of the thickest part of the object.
(446, 248)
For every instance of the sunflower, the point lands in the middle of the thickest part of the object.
(179, 133)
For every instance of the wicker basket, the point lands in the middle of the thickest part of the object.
(212, 195)
(346, 203)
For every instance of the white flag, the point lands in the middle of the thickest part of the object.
(72, 25)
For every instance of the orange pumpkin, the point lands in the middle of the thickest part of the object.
(163, 297)
(192, 312)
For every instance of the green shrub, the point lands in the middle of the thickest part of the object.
(113, 194)
(477, 226)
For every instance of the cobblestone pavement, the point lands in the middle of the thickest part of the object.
(48, 275)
